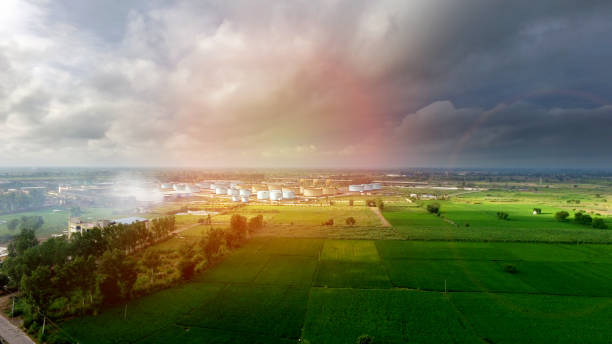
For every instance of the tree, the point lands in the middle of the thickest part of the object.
(502, 215)
(537, 210)
(510, 268)
(561, 215)
(350, 221)
(371, 202)
(238, 225)
(152, 261)
(255, 223)
(37, 286)
(212, 243)
(22, 241)
(12, 224)
(433, 208)
(351, 202)
(598, 223)
(31, 222)
(380, 204)
(329, 222)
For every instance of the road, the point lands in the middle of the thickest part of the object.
(12, 334)
(383, 221)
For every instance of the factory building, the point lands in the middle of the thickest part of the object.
(220, 190)
(244, 199)
(76, 225)
(257, 188)
(245, 192)
(329, 191)
(313, 192)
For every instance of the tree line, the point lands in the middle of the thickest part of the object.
(15, 201)
(61, 277)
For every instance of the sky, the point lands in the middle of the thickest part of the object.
(341, 84)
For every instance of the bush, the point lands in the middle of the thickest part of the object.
(329, 222)
(561, 215)
(351, 202)
(502, 215)
(433, 208)
(365, 339)
(380, 204)
(511, 269)
(599, 223)
(582, 218)
(186, 268)
(350, 221)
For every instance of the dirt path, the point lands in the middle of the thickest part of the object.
(383, 221)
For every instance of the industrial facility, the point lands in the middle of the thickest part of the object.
(286, 190)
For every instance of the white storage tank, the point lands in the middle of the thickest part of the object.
(245, 192)
(192, 188)
(263, 194)
(376, 186)
(203, 185)
(356, 188)
(235, 198)
(220, 190)
(288, 194)
(367, 187)
(232, 192)
(276, 195)
(244, 199)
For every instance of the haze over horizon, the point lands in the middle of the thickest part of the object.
(356, 84)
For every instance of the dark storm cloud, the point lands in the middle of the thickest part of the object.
(343, 83)
(515, 133)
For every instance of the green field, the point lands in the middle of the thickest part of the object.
(280, 290)
(428, 279)
(55, 221)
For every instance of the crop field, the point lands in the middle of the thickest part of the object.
(283, 290)
(464, 277)
(414, 223)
